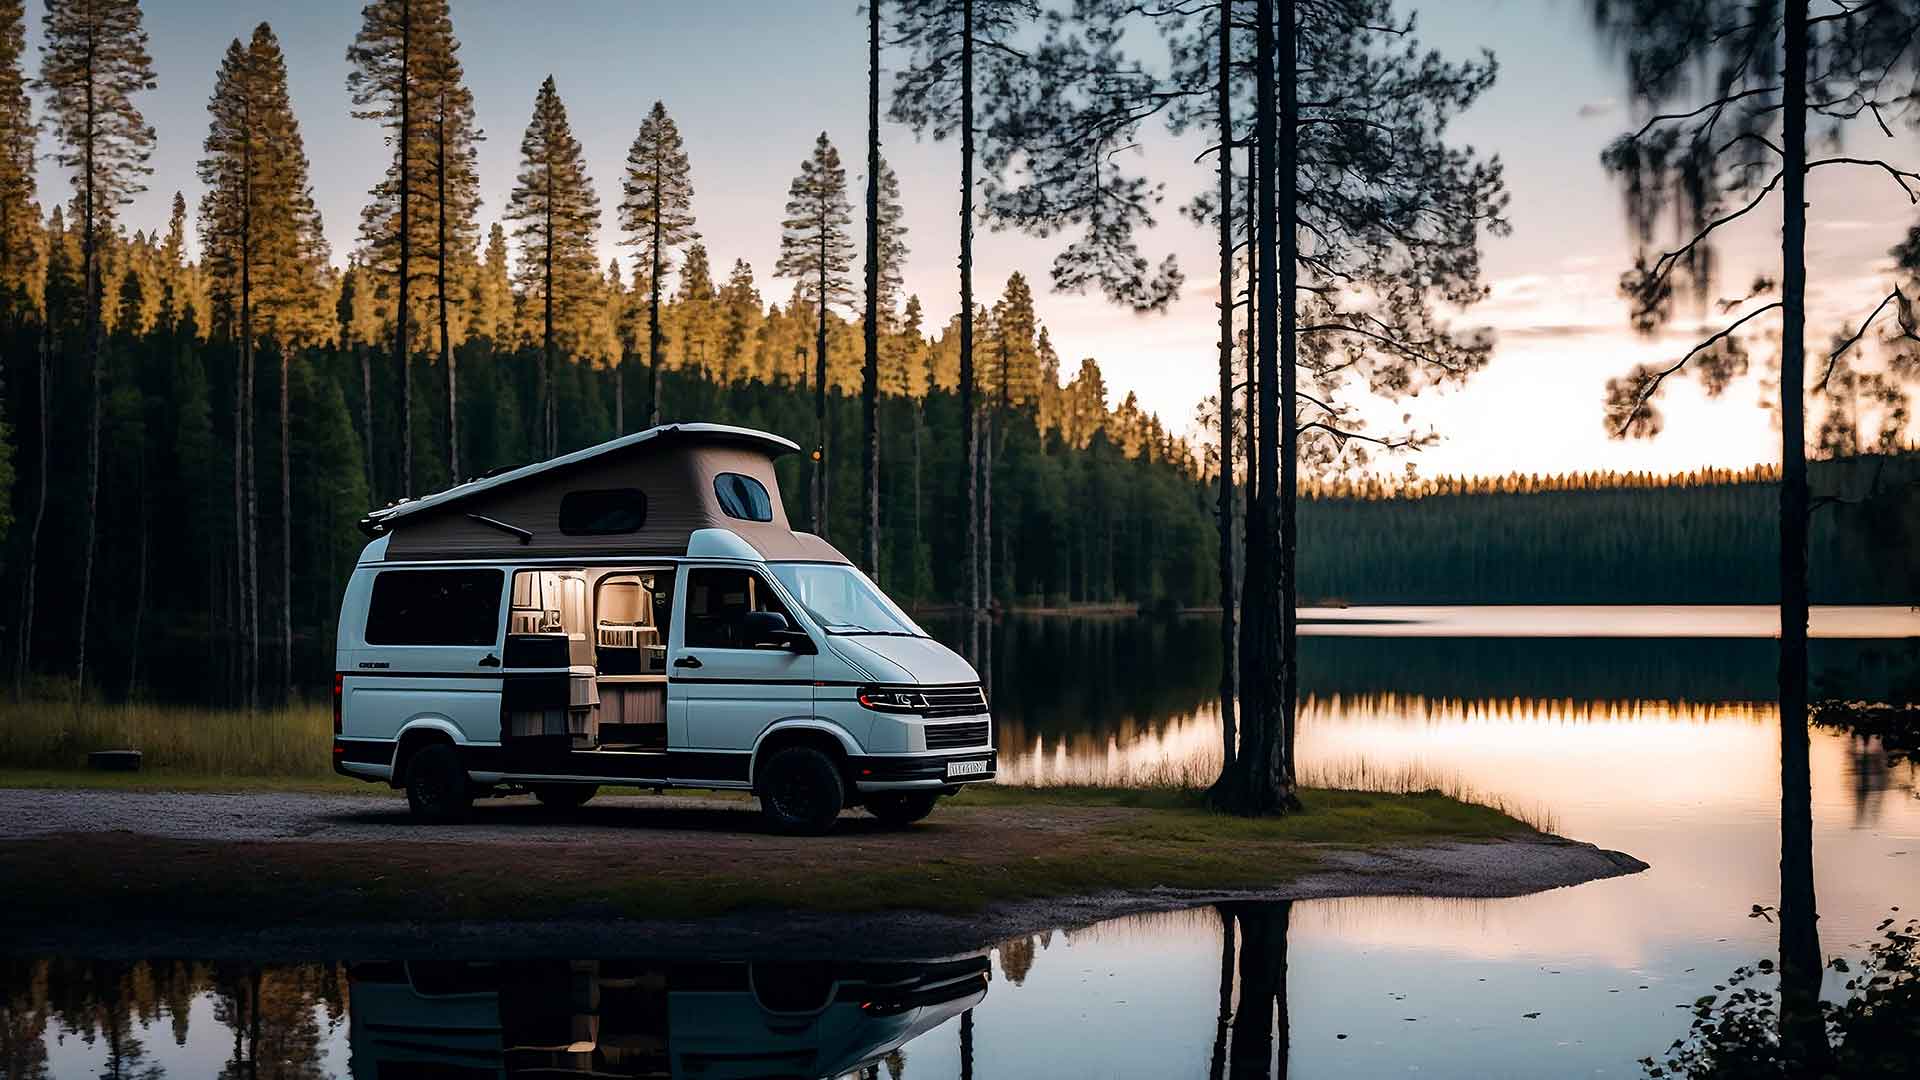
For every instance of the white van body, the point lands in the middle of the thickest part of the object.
(680, 664)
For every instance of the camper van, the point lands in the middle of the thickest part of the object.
(639, 613)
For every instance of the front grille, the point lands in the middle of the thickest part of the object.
(954, 736)
(953, 701)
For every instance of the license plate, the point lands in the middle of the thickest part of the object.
(957, 769)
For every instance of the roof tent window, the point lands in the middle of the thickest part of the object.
(609, 512)
(743, 497)
(435, 607)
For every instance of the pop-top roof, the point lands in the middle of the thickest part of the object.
(382, 520)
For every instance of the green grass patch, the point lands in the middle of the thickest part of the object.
(278, 743)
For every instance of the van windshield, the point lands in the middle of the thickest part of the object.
(843, 601)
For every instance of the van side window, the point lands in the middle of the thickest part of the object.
(435, 607)
(742, 497)
(717, 603)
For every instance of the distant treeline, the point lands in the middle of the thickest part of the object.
(1702, 538)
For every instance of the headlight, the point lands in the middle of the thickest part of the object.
(903, 701)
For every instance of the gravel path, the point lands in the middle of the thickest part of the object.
(182, 815)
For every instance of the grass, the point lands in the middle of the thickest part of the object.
(277, 743)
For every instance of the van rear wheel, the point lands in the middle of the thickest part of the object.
(801, 792)
(564, 796)
(898, 809)
(437, 786)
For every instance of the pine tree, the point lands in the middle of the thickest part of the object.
(93, 60)
(656, 212)
(264, 252)
(928, 94)
(406, 76)
(740, 316)
(19, 263)
(558, 212)
(816, 250)
(870, 368)
(451, 132)
(19, 216)
(492, 316)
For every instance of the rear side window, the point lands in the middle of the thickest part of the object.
(742, 497)
(609, 512)
(435, 607)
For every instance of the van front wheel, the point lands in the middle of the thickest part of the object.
(898, 809)
(801, 792)
(437, 787)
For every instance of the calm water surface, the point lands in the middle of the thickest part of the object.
(1663, 745)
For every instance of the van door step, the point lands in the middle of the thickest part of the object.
(630, 748)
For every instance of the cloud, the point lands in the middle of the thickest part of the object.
(1590, 110)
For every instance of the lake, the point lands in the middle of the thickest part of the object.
(1646, 730)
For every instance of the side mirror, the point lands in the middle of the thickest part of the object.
(772, 628)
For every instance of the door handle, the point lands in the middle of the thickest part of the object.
(489, 660)
(686, 661)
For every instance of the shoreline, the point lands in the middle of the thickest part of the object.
(252, 874)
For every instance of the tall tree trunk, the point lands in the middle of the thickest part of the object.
(870, 371)
(822, 464)
(366, 408)
(653, 314)
(1260, 1025)
(39, 517)
(1223, 1017)
(1258, 784)
(550, 417)
(95, 362)
(286, 539)
(970, 422)
(1802, 1030)
(1286, 497)
(1226, 514)
(402, 357)
(139, 597)
(440, 271)
(250, 481)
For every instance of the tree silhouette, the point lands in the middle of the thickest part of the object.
(816, 250)
(1392, 212)
(944, 40)
(1771, 68)
(93, 60)
(657, 214)
(263, 254)
(557, 209)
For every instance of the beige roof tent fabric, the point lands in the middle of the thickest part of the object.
(674, 465)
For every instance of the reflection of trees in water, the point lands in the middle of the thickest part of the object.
(274, 1014)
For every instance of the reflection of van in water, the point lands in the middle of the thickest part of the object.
(617, 1018)
(639, 613)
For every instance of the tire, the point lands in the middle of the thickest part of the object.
(898, 809)
(564, 796)
(438, 790)
(801, 792)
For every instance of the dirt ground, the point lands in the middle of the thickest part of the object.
(146, 873)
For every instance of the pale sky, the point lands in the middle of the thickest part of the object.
(751, 84)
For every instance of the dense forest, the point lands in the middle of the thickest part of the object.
(1707, 537)
(192, 429)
